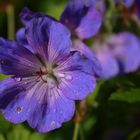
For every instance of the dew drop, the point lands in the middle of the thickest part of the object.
(53, 124)
(19, 109)
(61, 75)
(68, 77)
(18, 79)
(3, 61)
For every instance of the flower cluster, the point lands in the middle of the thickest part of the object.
(46, 74)
(119, 54)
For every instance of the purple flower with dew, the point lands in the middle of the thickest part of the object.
(109, 64)
(81, 17)
(125, 47)
(78, 45)
(127, 3)
(45, 76)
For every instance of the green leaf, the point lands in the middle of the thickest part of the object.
(5, 125)
(1, 137)
(37, 136)
(131, 96)
(19, 133)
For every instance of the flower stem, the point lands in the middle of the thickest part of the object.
(10, 22)
(76, 131)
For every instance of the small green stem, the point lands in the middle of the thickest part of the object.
(82, 134)
(10, 22)
(76, 131)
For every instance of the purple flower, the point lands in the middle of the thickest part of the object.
(82, 18)
(88, 53)
(109, 64)
(45, 77)
(126, 48)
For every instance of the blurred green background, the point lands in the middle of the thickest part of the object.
(112, 112)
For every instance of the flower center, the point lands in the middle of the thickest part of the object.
(47, 76)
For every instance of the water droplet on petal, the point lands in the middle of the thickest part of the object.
(53, 124)
(68, 77)
(19, 109)
(61, 75)
(3, 61)
(18, 79)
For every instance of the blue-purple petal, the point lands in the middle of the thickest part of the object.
(27, 15)
(22, 40)
(90, 24)
(49, 39)
(81, 18)
(17, 60)
(126, 48)
(87, 52)
(52, 109)
(109, 64)
(76, 76)
(15, 103)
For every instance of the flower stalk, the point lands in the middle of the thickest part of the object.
(10, 21)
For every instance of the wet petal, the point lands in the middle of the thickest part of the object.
(52, 110)
(15, 103)
(77, 85)
(45, 37)
(81, 18)
(17, 60)
(76, 76)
